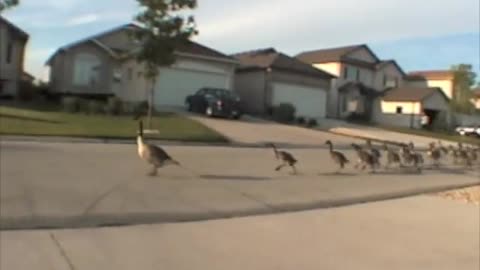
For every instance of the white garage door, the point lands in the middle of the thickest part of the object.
(174, 85)
(308, 101)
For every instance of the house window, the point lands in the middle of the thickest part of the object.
(358, 74)
(9, 52)
(385, 80)
(345, 72)
(399, 109)
(86, 69)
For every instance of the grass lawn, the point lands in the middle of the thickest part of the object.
(435, 134)
(24, 121)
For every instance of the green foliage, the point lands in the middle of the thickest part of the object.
(301, 120)
(70, 104)
(95, 107)
(162, 30)
(312, 122)
(284, 113)
(114, 106)
(463, 82)
(6, 4)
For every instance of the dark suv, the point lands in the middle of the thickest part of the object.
(215, 102)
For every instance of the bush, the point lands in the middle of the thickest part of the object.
(95, 107)
(26, 91)
(312, 122)
(114, 106)
(284, 113)
(301, 120)
(70, 104)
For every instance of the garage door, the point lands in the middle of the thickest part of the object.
(174, 85)
(308, 101)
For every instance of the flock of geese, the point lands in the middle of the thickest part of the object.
(366, 156)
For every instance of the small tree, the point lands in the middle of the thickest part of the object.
(6, 4)
(463, 82)
(162, 30)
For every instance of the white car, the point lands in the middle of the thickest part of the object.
(468, 130)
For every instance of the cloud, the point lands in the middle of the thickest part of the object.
(83, 19)
(298, 25)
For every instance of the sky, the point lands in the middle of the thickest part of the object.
(420, 35)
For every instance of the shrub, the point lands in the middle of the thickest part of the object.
(312, 122)
(113, 106)
(301, 120)
(70, 104)
(284, 113)
(26, 91)
(95, 107)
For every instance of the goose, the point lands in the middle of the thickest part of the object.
(392, 156)
(434, 154)
(152, 154)
(375, 153)
(336, 156)
(286, 158)
(364, 158)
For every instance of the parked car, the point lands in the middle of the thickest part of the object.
(215, 102)
(468, 130)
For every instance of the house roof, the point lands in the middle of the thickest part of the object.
(430, 74)
(384, 63)
(190, 47)
(339, 54)
(270, 58)
(476, 92)
(22, 34)
(414, 94)
(364, 90)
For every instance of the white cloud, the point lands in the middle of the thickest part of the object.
(82, 19)
(293, 25)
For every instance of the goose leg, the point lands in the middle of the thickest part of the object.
(294, 169)
(153, 172)
(280, 166)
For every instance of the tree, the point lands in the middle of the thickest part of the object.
(162, 29)
(6, 4)
(463, 82)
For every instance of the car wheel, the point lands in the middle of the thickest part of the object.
(209, 111)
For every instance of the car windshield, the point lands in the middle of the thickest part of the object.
(222, 93)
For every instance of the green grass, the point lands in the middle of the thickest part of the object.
(435, 134)
(48, 122)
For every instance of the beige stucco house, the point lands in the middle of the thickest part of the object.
(361, 76)
(443, 79)
(104, 65)
(12, 50)
(405, 106)
(267, 78)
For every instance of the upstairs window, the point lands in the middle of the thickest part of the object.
(358, 74)
(345, 72)
(9, 51)
(86, 70)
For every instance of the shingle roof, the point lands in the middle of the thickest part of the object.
(411, 93)
(430, 74)
(476, 92)
(19, 31)
(326, 55)
(189, 47)
(383, 63)
(364, 90)
(270, 58)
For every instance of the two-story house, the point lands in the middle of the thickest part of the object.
(362, 77)
(104, 64)
(12, 50)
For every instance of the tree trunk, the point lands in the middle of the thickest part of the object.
(150, 104)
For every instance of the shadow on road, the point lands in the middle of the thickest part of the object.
(234, 177)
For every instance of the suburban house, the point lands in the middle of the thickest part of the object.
(267, 78)
(361, 77)
(12, 50)
(433, 78)
(104, 65)
(406, 106)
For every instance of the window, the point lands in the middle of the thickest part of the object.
(358, 74)
(399, 109)
(86, 69)
(345, 72)
(9, 52)
(385, 78)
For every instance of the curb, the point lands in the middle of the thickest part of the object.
(98, 221)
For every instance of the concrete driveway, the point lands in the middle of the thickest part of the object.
(253, 130)
(79, 184)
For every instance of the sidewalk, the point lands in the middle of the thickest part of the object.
(417, 233)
